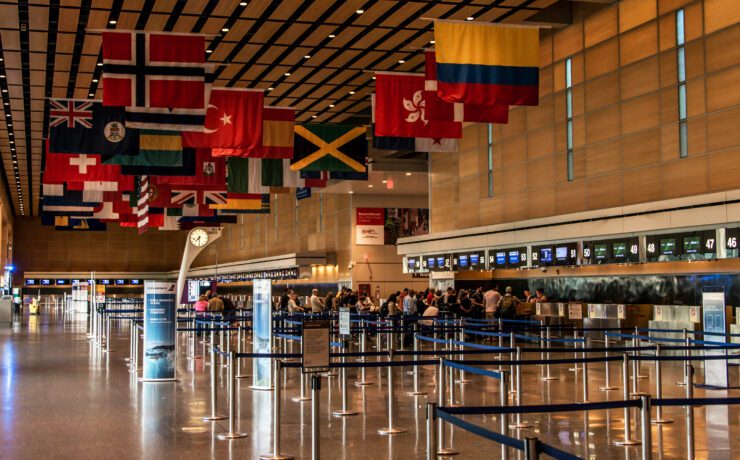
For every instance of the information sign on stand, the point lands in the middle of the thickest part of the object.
(262, 332)
(315, 346)
(344, 321)
(713, 312)
(160, 331)
(575, 311)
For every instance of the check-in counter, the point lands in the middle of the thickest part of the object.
(550, 314)
(6, 310)
(525, 309)
(610, 316)
(674, 317)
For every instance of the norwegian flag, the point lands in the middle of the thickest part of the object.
(159, 77)
(71, 113)
(142, 205)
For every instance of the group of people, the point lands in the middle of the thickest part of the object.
(360, 302)
(213, 303)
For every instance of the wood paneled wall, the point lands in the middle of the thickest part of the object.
(625, 114)
(40, 248)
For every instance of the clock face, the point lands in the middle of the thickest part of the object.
(199, 237)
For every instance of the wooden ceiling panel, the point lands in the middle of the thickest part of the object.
(68, 20)
(185, 24)
(9, 17)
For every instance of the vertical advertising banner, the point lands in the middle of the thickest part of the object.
(262, 331)
(370, 226)
(713, 312)
(160, 330)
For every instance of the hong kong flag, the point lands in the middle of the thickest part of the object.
(400, 109)
(233, 120)
(73, 168)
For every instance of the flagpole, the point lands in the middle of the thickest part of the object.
(494, 24)
(148, 32)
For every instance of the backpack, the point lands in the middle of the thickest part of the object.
(508, 307)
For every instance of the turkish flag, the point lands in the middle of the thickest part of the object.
(400, 109)
(79, 168)
(233, 120)
(439, 109)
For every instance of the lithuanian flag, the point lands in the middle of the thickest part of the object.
(487, 64)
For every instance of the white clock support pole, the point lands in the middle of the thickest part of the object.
(190, 253)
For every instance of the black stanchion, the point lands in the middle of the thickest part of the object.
(690, 451)
(315, 427)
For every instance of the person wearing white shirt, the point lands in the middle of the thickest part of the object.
(315, 302)
(490, 299)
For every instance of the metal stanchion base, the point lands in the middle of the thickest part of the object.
(522, 425)
(213, 418)
(607, 388)
(391, 431)
(463, 382)
(252, 387)
(363, 383)
(638, 394)
(548, 378)
(661, 421)
(575, 369)
(447, 452)
(224, 436)
(343, 413)
(330, 374)
(301, 398)
(641, 377)
(627, 442)
(243, 376)
(416, 393)
(681, 384)
(276, 457)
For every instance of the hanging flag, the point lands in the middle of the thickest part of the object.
(159, 77)
(63, 167)
(329, 147)
(245, 176)
(277, 136)
(187, 168)
(277, 173)
(142, 204)
(209, 172)
(400, 109)
(486, 63)
(233, 120)
(437, 108)
(410, 143)
(66, 223)
(86, 126)
(67, 206)
(243, 202)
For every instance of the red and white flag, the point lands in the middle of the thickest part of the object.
(159, 77)
(439, 110)
(75, 169)
(400, 109)
(276, 140)
(142, 205)
(233, 120)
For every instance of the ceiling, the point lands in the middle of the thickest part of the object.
(312, 55)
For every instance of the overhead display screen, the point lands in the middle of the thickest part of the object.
(601, 251)
(691, 244)
(667, 246)
(440, 262)
(135, 281)
(62, 282)
(46, 282)
(514, 258)
(546, 255)
(561, 253)
(475, 260)
(501, 258)
(463, 261)
(619, 250)
(430, 262)
(412, 264)
(30, 282)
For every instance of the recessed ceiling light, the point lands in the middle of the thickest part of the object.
(401, 61)
(469, 18)
(332, 36)
(307, 57)
(408, 174)
(351, 192)
(10, 124)
(6, 103)
(287, 74)
(314, 116)
(225, 29)
(112, 21)
(431, 42)
(370, 186)
(270, 88)
(95, 80)
(100, 64)
(209, 51)
(7, 114)
(331, 105)
(351, 92)
(91, 95)
(2, 76)
(360, 11)
(384, 181)
(5, 91)
(242, 3)
(373, 78)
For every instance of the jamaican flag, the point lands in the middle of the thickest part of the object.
(330, 147)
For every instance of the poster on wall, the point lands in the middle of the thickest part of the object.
(369, 228)
(403, 222)
(160, 330)
(262, 331)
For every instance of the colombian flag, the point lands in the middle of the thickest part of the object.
(487, 64)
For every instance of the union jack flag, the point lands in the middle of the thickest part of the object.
(71, 113)
(200, 197)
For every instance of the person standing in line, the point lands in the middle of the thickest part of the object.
(293, 306)
(507, 305)
(330, 301)
(284, 299)
(490, 300)
(317, 305)
(409, 302)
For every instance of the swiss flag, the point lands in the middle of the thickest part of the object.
(233, 120)
(79, 168)
(400, 109)
(439, 110)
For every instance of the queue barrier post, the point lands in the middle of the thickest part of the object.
(686, 353)
(584, 367)
(441, 390)
(512, 344)
(461, 347)
(530, 449)
(638, 352)
(431, 434)
(343, 379)
(276, 455)
(391, 429)
(659, 389)
(416, 391)
(214, 391)
(627, 441)
(607, 384)
(575, 367)
(501, 339)
(451, 381)
(504, 397)
(647, 442)
(547, 377)
(690, 452)
(518, 376)
(363, 343)
(303, 396)
(315, 427)
(232, 434)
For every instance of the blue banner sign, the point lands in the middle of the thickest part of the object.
(262, 331)
(160, 330)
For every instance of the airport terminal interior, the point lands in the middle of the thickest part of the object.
(370, 229)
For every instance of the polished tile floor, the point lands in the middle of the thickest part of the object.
(63, 398)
